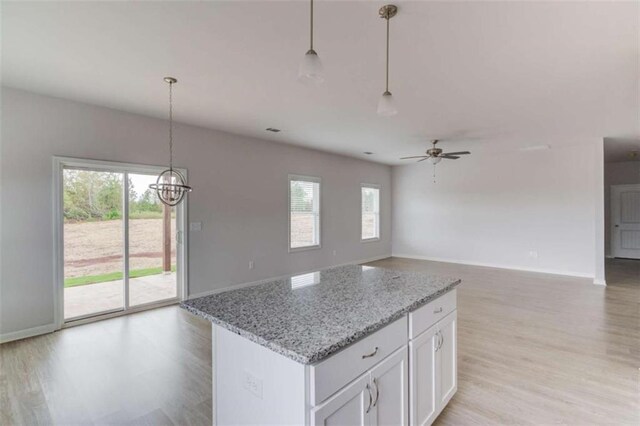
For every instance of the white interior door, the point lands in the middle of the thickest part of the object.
(625, 221)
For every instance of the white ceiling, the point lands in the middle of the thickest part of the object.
(504, 74)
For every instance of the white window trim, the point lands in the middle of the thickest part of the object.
(308, 179)
(374, 186)
(182, 212)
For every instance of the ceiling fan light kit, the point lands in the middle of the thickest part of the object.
(435, 155)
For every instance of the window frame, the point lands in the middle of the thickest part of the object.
(304, 178)
(379, 227)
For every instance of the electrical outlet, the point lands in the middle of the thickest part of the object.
(533, 254)
(251, 264)
(334, 252)
(252, 383)
(195, 226)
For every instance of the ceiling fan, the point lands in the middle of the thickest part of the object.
(436, 155)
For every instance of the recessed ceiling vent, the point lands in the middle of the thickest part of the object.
(272, 129)
(368, 152)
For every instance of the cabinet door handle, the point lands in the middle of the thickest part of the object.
(371, 354)
(370, 398)
(437, 311)
(438, 341)
(377, 392)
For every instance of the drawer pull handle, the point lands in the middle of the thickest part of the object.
(370, 398)
(371, 354)
(437, 311)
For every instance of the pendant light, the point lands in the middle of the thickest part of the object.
(386, 104)
(170, 186)
(311, 69)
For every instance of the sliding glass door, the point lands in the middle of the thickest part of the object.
(152, 244)
(121, 247)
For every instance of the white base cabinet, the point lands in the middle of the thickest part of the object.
(377, 398)
(404, 373)
(433, 366)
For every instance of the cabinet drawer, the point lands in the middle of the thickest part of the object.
(423, 318)
(331, 374)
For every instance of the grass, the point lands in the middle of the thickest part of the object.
(112, 276)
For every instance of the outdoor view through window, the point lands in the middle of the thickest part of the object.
(95, 241)
(304, 213)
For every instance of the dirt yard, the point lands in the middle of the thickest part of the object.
(93, 248)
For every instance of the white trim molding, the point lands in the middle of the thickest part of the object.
(497, 266)
(29, 332)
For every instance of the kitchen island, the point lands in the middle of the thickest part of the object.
(334, 347)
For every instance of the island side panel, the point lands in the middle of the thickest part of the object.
(254, 385)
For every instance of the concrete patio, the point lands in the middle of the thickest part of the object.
(100, 297)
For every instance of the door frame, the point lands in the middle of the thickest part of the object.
(182, 246)
(615, 208)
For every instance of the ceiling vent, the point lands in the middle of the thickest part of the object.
(272, 129)
(368, 153)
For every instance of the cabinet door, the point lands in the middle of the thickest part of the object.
(349, 406)
(389, 385)
(447, 358)
(423, 394)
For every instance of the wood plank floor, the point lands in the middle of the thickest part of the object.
(533, 349)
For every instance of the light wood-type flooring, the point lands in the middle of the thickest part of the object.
(533, 349)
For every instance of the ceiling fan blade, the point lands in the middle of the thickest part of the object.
(457, 153)
(449, 157)
(415, 156)
(426, 158)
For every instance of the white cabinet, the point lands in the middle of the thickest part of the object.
(379, 397)
(347, 407)
(401, 374)
(433, 368)
(447, 359)
(389, 385)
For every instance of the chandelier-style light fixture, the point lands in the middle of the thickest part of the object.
(311, 69)
(170, 186)
(386, 104)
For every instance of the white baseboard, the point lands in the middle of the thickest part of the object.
(499, 266)
(266, 280)
(29, 332)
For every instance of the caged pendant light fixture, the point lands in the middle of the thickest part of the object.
(386, 104)
(170, 186)
(311, 70)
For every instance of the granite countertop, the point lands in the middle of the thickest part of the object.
(311, 316)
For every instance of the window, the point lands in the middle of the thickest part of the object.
(304, 212)
(370, 212)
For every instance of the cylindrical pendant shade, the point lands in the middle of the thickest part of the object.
(387, 105)
(311, 69)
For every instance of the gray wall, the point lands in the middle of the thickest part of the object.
(624, 172)
(240, 196)
(521, 210)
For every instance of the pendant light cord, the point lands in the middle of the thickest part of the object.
(311, 27)
(171, 126)
(387, 82)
